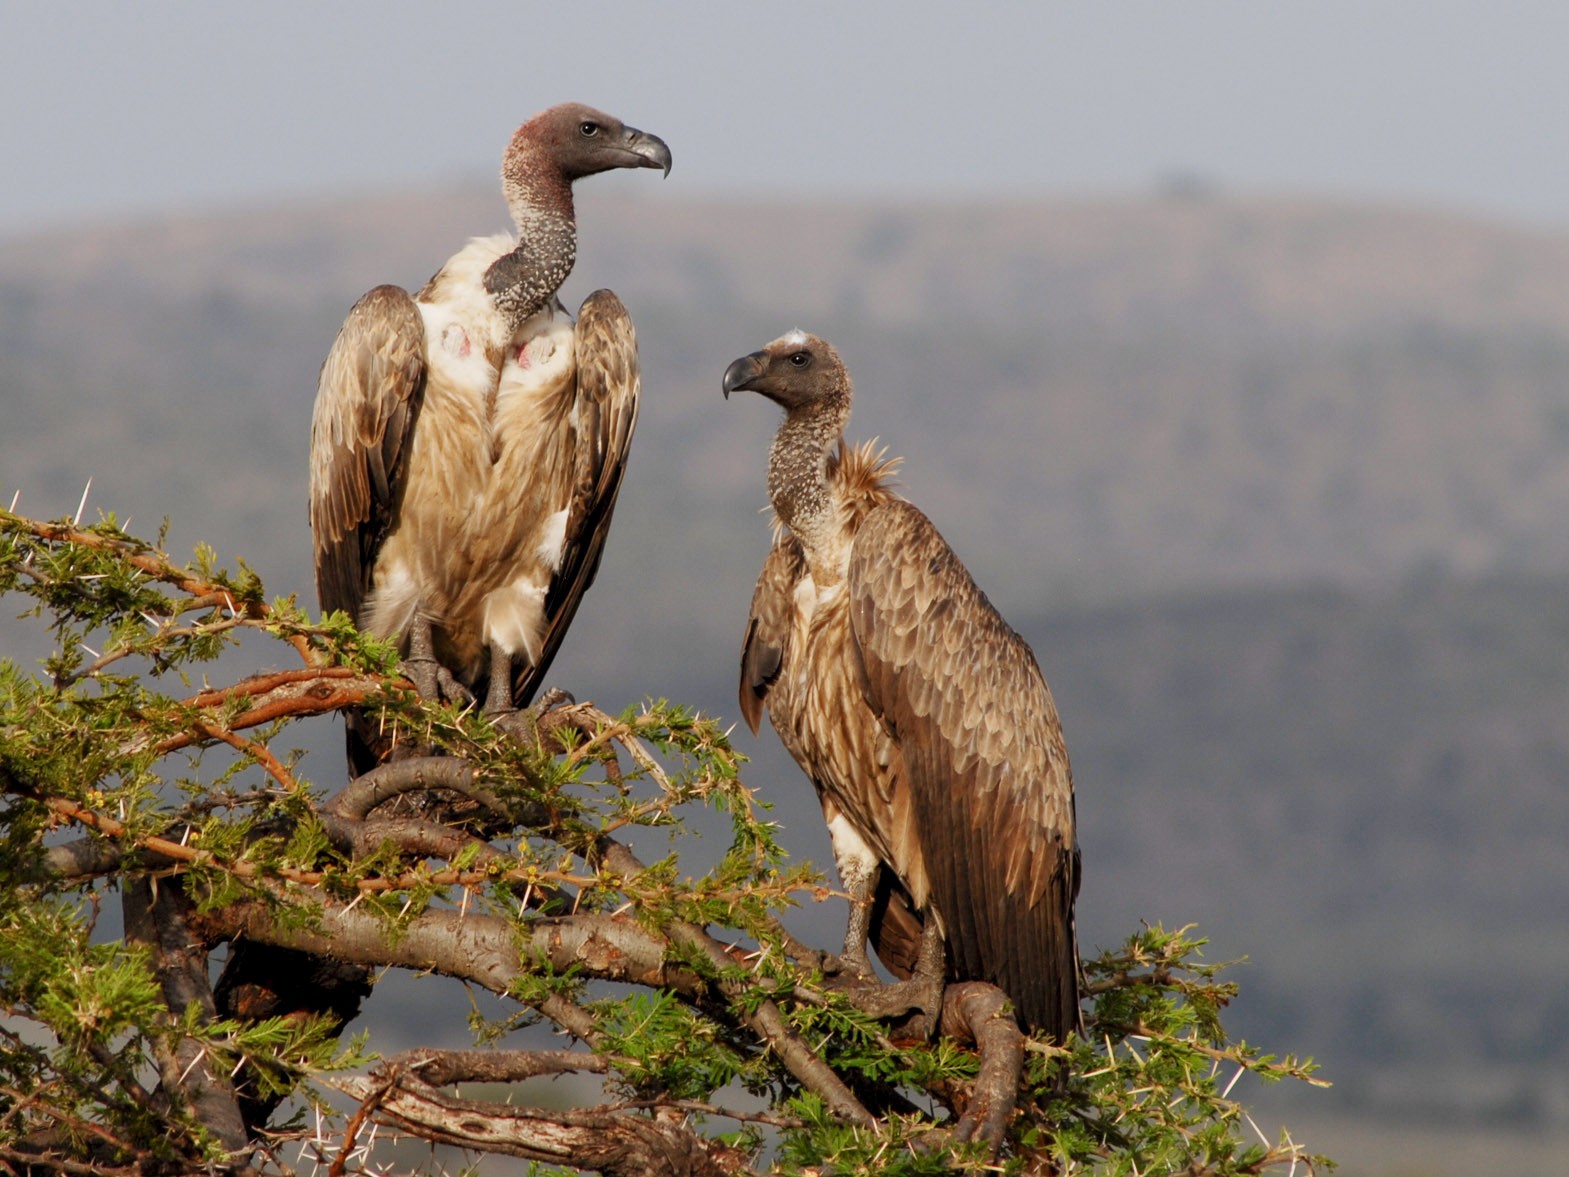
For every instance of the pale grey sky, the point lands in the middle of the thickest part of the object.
(131, 109)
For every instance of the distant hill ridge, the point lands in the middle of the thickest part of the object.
(1179, 391)
(1317, 265)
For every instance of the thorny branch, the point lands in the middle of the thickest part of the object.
(201, 594)
(462, 889)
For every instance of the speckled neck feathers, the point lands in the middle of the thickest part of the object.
(539, 196)
(798, 484)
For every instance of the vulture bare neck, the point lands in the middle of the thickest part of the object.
(539, 198)
(798, 483)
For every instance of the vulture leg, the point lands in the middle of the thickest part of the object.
(498, 700)
(858, 868)
(856, 934)
(420, 663)
(431, 679)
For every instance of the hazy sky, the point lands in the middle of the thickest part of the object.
(152, 107)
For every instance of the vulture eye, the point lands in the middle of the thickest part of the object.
(800, 359)
(588, 129)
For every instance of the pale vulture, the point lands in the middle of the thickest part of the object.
(468, 442)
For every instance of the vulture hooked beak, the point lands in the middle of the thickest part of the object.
(650, 150)
(739, 375)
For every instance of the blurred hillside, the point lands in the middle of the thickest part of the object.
(1180, 392)
(1276, 489)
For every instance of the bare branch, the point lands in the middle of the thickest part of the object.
(486, 950)
(84, 858)
(284, 694)
(441, 1068)
(417, 774)
(980, 1012)
(607, 1141)
(423, 839)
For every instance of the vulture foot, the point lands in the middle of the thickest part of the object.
(853, 963)
(523, 723)
(923, 992)
(434, 682)
(554, 697)
(425, 674)
(922, 996)
(431, 679)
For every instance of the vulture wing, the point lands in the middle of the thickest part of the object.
(766, 644)
(367, 401)
(895, 927)
(986, 763)
(605, 346)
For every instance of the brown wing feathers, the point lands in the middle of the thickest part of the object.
(983, 753)
(763, 649)
(607, 398)
(367, 402)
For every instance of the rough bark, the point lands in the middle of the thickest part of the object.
(615, 1142)
(157, 916)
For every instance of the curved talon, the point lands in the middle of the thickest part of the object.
(552, 698)
(451, 689)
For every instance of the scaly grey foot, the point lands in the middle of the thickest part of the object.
(922, 992)
(522, 724)
(431, 679)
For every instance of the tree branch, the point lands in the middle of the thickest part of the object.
(158, 566)
(486, 950)
(615, 1143)
(417, 774)
(157, 918)
(766, 1020)
(285, 694)
(441, 1068)
(979, 1012)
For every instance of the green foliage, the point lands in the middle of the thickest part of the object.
(106, 775)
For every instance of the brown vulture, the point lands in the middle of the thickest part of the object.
(919, 715)
(468, 442)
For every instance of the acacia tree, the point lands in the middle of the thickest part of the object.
(705, 1037)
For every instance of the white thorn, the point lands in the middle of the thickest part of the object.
(1226, 1094)
(82, 506)
(1252, 1124)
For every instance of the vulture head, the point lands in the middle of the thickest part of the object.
(571, 141)
(797, 371)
